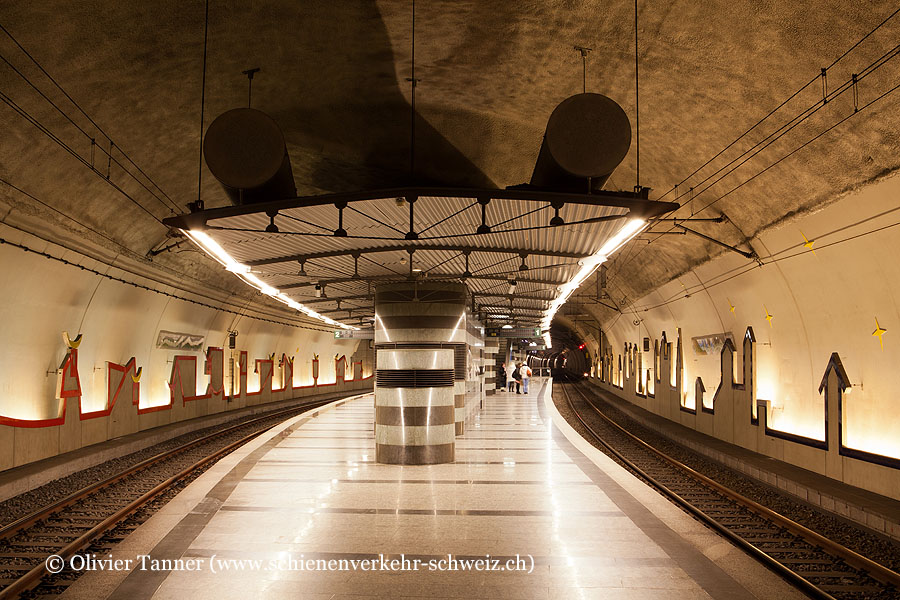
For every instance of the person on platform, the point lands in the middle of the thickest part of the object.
(511, 377)
(525, 372)
(501, 377)
(517, 376)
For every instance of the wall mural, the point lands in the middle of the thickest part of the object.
(169, 340)
(734, 414)
(26, 440)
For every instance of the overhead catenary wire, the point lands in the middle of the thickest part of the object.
(124, 250)
(46, 131)
(64, 215)
(798, 148)
(845, 87)
(165, 200)
(627, 258)
(67, 262)
(746, 268)
(767, 141)
(83, 112)
(782, 104)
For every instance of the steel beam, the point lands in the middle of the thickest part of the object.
(399, 277)
(633, 202)
(411, 247)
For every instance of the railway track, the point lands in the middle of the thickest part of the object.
(820, 567)
(96, 517)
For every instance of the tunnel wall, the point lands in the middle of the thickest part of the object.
(824, 302)
(55, 398)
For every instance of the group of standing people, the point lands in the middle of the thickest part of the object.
(516, 376)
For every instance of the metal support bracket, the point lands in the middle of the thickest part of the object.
(751, 255)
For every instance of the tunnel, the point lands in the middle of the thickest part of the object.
(412, 273)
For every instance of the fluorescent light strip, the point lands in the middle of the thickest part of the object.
(211, 247)
(588, 266)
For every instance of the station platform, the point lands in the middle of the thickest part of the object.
(305, 512)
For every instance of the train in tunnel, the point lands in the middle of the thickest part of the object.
(569, 357)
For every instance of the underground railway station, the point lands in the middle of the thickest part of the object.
(541, 301)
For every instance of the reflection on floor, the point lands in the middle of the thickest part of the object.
(520, 497)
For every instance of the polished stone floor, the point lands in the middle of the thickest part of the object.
(268, 527)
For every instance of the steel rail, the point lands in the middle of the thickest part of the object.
(40, 514)
(876, 570)
(767, 561)
(33, 577)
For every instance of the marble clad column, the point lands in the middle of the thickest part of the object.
(491, 383)
(416, 326)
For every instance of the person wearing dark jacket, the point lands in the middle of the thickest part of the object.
(517, 376)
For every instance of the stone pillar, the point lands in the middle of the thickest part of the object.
(417, 325)
(491, 350)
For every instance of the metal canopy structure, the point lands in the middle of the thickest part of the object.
(330, 251)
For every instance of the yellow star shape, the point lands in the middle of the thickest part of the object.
(879, 332)
(808, 244)
(768, 316)
(731, 306)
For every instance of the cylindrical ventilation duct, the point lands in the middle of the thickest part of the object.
(587, 136)
(418, 327)
(245, 150)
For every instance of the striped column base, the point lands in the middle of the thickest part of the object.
(414, 455)
(459, 402)
(414, 426)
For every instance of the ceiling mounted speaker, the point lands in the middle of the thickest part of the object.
(587, 137)
(245, 151)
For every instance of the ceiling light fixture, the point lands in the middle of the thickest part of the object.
(214, 250)
(237, 268)
(588, 266)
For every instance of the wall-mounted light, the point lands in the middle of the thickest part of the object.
(512, 286)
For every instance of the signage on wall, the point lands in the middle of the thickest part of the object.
(170, 340)
(354, 334)
(710, 344)
(515, 332)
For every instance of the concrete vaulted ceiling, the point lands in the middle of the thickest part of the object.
(333, 76)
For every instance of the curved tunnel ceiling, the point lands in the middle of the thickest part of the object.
(333, 75)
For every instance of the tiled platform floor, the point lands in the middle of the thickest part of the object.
(518, 487)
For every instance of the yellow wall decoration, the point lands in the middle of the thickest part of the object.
(768, 316)
(879, 332)
(808, 243)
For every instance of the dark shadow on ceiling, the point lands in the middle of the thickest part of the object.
(352, 122)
